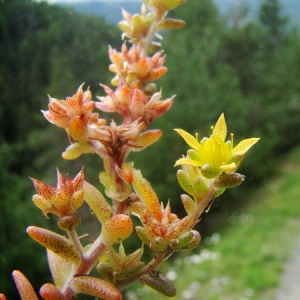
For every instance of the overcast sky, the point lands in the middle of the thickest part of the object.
(54, 1)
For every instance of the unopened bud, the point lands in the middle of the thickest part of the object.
(194, 242)
(68, 222)
(228, 180)
(159, 283)
(183, 240)
(188, 203)
(142, 234)
(150, 89)
(116, 229)
(184, 181)
(200, 188)
(209, 171)
(106, 271)
(159, 245)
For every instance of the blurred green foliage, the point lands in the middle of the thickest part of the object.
(246, 68)
(246, 259)
(43, 50)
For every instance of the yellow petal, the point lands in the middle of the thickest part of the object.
(187, 161)
(220, 128)
(229, 168)
(189, 139)
(244, 146)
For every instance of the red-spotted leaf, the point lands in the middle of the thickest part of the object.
(50, 292)
(96, 287)
(55, 242)
(24, 287)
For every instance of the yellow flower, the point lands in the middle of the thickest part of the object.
(213, 154)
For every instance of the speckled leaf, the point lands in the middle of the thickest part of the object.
(50, 292)
(60, 268)
(24, 287)
(55, 242)
(96, 287)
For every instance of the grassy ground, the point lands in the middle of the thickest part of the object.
(245, 259)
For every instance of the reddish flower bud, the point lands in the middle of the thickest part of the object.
(116, 229)
(61, 200)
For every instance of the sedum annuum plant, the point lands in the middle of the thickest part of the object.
(207, 170)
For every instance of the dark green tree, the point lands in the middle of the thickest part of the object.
(272, 20)
(43, 49)
(247, 69)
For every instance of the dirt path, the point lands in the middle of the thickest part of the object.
(290, 281)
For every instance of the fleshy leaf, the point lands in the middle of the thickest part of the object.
(96, 287)
(50, 292)
(184, 181)
(146, 193)
(145, 139)
(24, 287)
(188, 203)
(60, 268)
(184, 239)
(75, 150)
(170, 24)
(159, 283)
(55, 242)
(97, 202)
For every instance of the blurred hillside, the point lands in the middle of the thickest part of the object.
(247, 68)
(110, 10)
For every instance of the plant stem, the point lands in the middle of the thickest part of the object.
(152, 265)
(73, 236)
(89, 260)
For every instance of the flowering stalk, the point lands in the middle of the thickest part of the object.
(207, 170)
